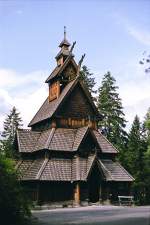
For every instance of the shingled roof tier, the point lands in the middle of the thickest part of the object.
(113, 171)
(56, 169)
(104, 144)
(49, 108)
(60, 139)
(76, 169)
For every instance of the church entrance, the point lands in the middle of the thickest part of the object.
(94, 185)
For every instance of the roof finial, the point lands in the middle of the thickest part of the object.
(64, 32)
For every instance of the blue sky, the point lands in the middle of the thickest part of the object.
(113, 34)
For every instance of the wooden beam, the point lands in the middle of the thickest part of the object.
(77, 194)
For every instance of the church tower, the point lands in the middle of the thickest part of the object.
(73, 102)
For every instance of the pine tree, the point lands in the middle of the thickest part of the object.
(12, 122)
(87, 78)
(134, 158)
(110, 106)
(147, 127)
(147, 157)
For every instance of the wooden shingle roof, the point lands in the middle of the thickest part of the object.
(113, 171)
(60, 139)
(104, 144)
(56, 169)
(49, 108)
(27, 140)
(59, 69)
(76, 169)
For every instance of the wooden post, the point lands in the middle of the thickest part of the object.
(77, 194)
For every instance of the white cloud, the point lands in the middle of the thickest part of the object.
(142, 36)
(28, 91)
(24, 91)
(134, 90)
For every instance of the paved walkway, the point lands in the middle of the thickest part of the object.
(95, 215)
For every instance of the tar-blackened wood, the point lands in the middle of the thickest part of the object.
(64, 158)
(76, 106)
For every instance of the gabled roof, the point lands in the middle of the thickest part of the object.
(75, 169)
(113, 171)
(27, 140)
(58, 69)
(104, 144)
(80, 134)
(49, 108)
(56, 169)
(60, 139)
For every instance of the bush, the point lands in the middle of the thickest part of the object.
(14, 204)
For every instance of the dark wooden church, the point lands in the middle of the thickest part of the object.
(63, 157)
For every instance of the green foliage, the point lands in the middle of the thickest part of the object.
(14, 204)
(87, 78)
(147, 175)
(110, 106)
(11, 124)
(134, 159)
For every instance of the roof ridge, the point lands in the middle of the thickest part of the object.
(42, 168)
(104, 167)
(94, 158)
(82, 137)
(58, 101)
(48, 142)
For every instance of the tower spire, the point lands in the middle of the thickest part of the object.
(64, 41)
(64, 32)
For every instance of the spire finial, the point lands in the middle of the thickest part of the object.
(64, 32)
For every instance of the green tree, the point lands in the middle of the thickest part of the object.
(147, 176)
(147, 157)
(88, 79)
(147, 127)
(134, 158)
(11, 124)
(14, 204)
(110, 106)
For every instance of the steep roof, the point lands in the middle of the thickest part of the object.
(113, 171)
(49, 108)
(104, 144)
(75, 169)
(56, 169)
(58, 69)
(60, 139)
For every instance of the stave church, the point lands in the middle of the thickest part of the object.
(64, 158)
